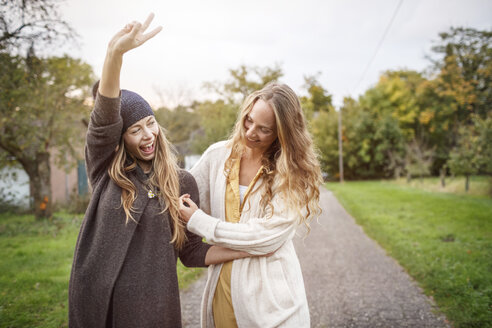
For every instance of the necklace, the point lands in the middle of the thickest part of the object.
(150, 191)
(148, 185)
(150, 194)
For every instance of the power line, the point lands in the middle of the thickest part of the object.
(379, 44)
(340, 146)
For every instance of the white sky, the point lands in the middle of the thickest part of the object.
(202, 40)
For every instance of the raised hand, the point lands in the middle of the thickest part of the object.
(132, 36)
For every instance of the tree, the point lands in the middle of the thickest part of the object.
(324, 130)
(484, 142)
(217, 121)
(180, 124)
(41, 107)
(461, 89)
(396, 94)
(322, 122)
(464, 158)
(26, 24)
(483, 128)
(378, 126)
(217, 117)
(372, 146)
(437, 124)
(465, 73)
(243, 81)
(40, 99)
(418, 159)
(318, 99)
(389, 142)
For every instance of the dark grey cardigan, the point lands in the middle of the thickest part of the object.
(124, 275)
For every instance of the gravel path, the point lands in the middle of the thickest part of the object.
(349, 279)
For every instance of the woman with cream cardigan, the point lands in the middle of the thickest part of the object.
(255, 190)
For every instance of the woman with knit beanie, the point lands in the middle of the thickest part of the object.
(255, 190)
(124, 267)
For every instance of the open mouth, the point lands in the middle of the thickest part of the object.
(148, 149)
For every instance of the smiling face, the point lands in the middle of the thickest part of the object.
(140, 139)
(260, 126)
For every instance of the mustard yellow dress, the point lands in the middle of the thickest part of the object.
(222, 308)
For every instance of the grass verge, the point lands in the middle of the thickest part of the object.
(479, 185)
(35, 268)
(443, 240)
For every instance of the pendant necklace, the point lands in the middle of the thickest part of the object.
(150, 194)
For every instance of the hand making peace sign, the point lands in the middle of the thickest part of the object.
(132, 36)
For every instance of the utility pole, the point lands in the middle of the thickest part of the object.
(340, 148)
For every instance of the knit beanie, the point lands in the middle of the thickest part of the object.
(133, 107)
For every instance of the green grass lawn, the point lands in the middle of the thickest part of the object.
(443, 240)
(479, 185)
(36, 257)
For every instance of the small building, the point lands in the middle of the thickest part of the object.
(65, 184)
(15, 190)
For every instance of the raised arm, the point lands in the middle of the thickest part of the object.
(105, 124)
(130, 37)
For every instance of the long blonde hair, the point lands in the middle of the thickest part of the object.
(290, 164)
(163, 179)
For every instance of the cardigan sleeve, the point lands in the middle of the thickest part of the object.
(258, 236)
(103, 136)
(201, 173)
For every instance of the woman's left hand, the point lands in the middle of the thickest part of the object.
(132, 36)
(186, 207)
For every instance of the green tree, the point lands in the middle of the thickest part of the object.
(41, 100)
(217, 121)
(217, 117)
(464, 158)
(243, 81)
(377, 127)
(484, 142)
(418, 159)
(465, 72)
(436, 123)
(325, 137)
(396, 94)
(462, 87)
(407, 121)
(322, 123)
(483, 128)
(42, 108)
(180, 123)
(373, 146)
(317, 100)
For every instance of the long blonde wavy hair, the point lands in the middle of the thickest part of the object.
(290, 164)
(163, 179)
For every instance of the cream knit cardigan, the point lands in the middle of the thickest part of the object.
(266, 291)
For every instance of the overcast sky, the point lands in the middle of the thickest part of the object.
(201, 40)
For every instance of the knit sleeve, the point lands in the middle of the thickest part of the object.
(258, 236)
(201, 173)
(103, 136)
(194, 250)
